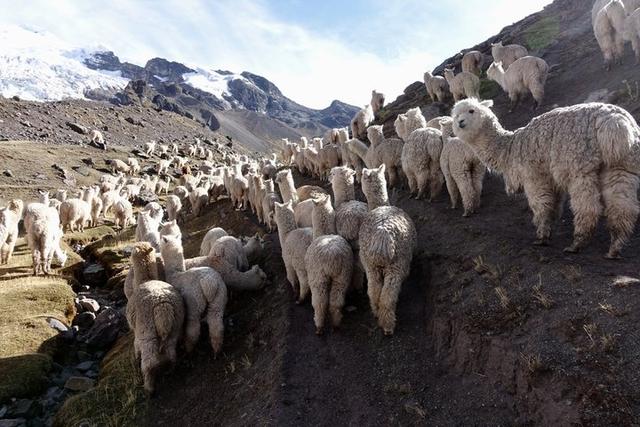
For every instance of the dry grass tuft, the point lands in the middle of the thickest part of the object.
(503, 297)
(591, 329)
(539, 295)
(532, 362)
(625, 281)
(482, 267)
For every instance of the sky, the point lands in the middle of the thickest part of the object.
(314, 51)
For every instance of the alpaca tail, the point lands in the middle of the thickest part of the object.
(382, 246)
(617, 136)
(164, 318)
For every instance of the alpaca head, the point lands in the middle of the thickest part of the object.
(341, 174)
(282, 176)
(43, 197)
(495, 70)
(449, 73)
(470, 117)
(373, 180)
(400, 125)
(170, 246)
(377, 99)
(497, 44)
(170, 228)
(375, 134)
(427, 76)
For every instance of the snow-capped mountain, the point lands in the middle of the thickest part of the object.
(40, 67)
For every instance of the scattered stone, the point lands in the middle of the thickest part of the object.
(21, 407)
(91, 374)
(25, 123)
(90, 305)
(88, 161)
(85, 366)
(3, 410)
(351, 308)
(140, 154)
(78, 128)
(70, 334)
(133, 121)
(8, 173)
(106, 329)
(40, 176)
(94, 275)
(15, 98)
(17, 422)
(79, 383)
(57, 325)
(145, 197)
(83, 356)
(84, 320)
(602, 95)
(82, 170)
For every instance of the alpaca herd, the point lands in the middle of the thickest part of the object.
(332, 242)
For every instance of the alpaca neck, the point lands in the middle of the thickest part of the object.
(343, 193)
(323, 220)
(378, 198)
(173, 261)
(358, 147)
(493, 148)
(499, 78)
(286, 225)
(145, 271)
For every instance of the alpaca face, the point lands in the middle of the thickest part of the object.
(469, 117)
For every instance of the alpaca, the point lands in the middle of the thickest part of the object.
(463, 171)
(632, 32)
(388, 152)
(472, 62)
(43, 238)
(155, 313)
(210, 238)
(294, 242)
(284, 179)
(174, 207)
(9, 218)
(507, 54)
(527, 74)
(421, 162)
(361, 121)
(589, 151)
(388, 240)
(377, 102)
(204, 293)
(609, 28)
(437, 87)
(463, 85)
(329, 265)
(374, 186)
(75, 214)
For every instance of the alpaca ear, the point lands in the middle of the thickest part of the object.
(381, 169)
(487, 103)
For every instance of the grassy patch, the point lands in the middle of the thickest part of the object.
(28, 342)
(542, 33)
(89, 235)
(117, 400)
(489, 89)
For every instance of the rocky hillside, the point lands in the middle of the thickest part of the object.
(562, 35)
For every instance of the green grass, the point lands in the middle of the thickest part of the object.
(118, 398)
(28, 342)
(489, 89)
(542, 33)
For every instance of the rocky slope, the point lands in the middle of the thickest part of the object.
(562, 35)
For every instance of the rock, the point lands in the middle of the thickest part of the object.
(53, 396)
(88, 161)
(25, 123)
(85, 366)
(8, 173)
(40, 176)
(140, 154)
(84, 320)
(82, 170)
(21, 407)
(15, 98)
(145, 197)
(92, 374)
(134, 121)
(106, 329)
(57, 325)
(150, 170)
(83, 356)
(3, 410)
(90, 305)
(78, 128)
(70, 334)
(17, 422)
(94, 275)
(79, 383)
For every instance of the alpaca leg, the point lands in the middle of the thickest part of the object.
(4, 254)
(393, 279)
(452, 189)
(477, 180)
(171, 349)
(374, 286)
(586, 207)
(537, 91)
(215, 320)
(619, 46)
(336, 297)
(192, 331)
(149, 364)
(436, 180)
(319, 301)
(422, 180)
(292, 277)
(304, 284)
(358, 274)
(619, 193)
(413, 182)
(540, 195)
(467, 193)
(515, 101)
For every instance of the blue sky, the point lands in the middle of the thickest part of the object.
(315, 51)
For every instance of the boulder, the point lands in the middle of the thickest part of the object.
(84, 320)
(78, 128)
(106, 329)
(94, 274)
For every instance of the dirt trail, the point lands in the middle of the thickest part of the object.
(460, 355)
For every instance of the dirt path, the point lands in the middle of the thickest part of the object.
(460, 355)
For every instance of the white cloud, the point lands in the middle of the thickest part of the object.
(386, 50)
